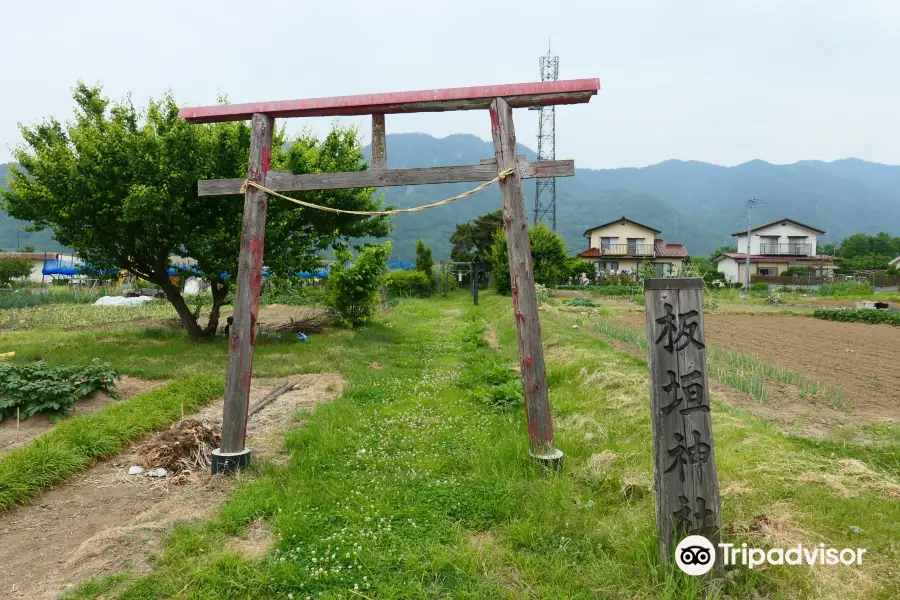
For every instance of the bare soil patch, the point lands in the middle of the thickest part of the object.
(34, 427)
(106, 520)
(490, 338)
(859, 358)
(258, 540)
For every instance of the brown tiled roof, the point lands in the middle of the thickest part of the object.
(587, 231)
(664, 249)
(29, 255)
(778, 257)
(798, 223)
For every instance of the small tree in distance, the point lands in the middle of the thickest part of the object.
(475, 236)
(548, 258)
(352, 291)
(13, 268)
(424, 259)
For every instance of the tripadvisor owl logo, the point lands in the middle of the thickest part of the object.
(695, 555)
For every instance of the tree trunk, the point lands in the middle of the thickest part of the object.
(188, 319)
(219, 291)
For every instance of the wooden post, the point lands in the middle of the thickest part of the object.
(525, 307)
(232, 455)
(687, 489)
(475, 280)
(379, 145)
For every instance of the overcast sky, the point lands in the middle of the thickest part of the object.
(712, 80)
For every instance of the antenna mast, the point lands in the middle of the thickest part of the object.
(545, 190)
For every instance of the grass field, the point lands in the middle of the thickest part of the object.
(412, 486)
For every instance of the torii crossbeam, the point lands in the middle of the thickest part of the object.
(499, 100)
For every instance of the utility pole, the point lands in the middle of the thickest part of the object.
(750, 204)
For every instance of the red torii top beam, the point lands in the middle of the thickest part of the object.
(517, 95)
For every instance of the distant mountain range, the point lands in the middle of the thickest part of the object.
(694, 203)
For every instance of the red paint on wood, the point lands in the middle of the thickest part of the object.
(266, 161)
(528, 332)
(539, 93)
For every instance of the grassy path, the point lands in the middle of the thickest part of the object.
(415, 484)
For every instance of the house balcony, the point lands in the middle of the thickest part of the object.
(626, 250)
(798, 249)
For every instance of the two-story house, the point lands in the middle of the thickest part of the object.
(774, 247)
(623, 244)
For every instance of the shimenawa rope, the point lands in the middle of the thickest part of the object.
(500, 176)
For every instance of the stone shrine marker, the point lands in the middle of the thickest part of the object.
(685, 482)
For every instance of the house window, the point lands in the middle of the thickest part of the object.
(606, 242)
(798, 244)
(607, 266)
(768, 271)
(635, 245)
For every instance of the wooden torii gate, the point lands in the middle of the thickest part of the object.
(499, 100)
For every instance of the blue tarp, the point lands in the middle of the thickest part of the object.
(178, 268)
(76, 267)
(53, 266)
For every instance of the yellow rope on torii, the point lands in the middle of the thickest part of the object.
(500, 176)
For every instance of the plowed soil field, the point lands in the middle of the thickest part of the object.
(861, 359)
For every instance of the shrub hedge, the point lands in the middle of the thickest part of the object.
(407, 284)
(858, 315)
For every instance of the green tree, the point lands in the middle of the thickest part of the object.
(424, 259)
(862, 251)
(721, 250)
(575, 266)
(828, 249)
(119, 186)
(13, 268)
(352, 290)
(548, 258)
(27, 248)
(475, 236)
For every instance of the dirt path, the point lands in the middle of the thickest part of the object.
(106, 520)
(12, 437)
(859, 358)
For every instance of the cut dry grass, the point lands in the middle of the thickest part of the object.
(183, 447)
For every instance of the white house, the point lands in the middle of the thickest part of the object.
(895, 262)
(623, 244)
(774, 247)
